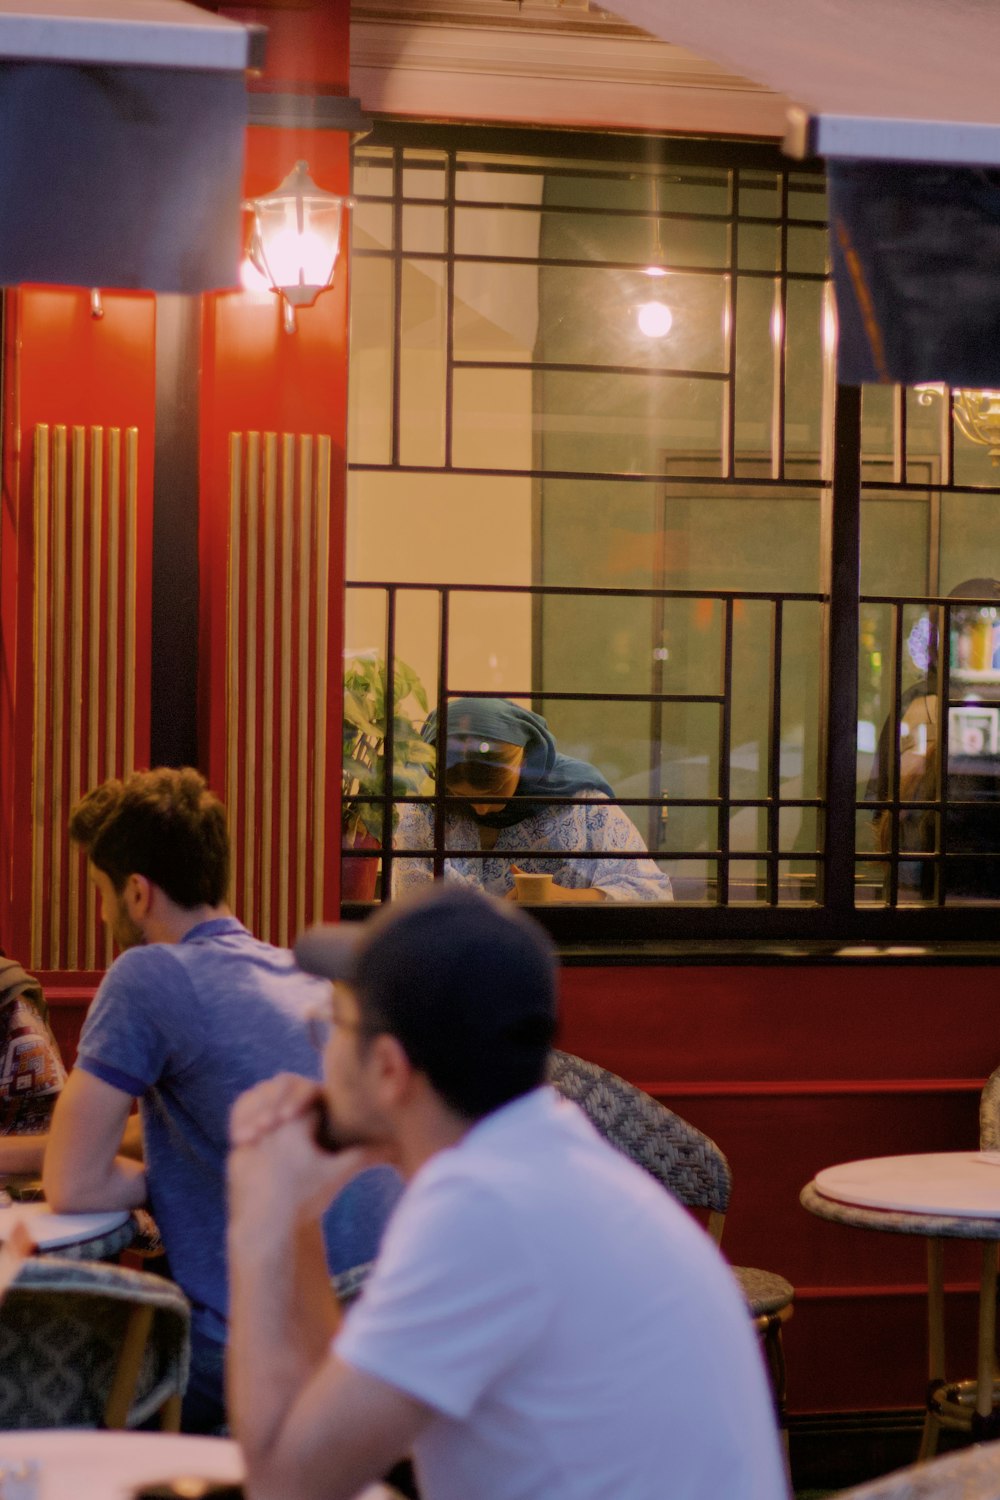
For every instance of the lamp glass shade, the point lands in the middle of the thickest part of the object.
(296, 236)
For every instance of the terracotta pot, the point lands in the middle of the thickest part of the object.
(358, 876)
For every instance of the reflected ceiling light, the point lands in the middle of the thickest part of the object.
(655, 318)
(295, 240)
(976, 414)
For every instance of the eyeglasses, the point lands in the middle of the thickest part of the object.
(322, 1019)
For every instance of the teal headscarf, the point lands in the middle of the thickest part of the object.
(545, 771)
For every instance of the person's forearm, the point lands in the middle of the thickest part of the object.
(121, 1185)
(283, 1314)
(578, 893)
(131, 1142)
(21, 1154)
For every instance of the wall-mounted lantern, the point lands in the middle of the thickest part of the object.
(295, 240)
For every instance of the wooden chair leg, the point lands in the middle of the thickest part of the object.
(126, 1378)
(170, 1414)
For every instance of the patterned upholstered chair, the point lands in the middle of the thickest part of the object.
(84, 1344)
(690, 1166)
(971, 1475)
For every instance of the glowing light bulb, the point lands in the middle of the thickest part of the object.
(253, 280)
(655, 319)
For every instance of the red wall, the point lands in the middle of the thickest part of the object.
(790, 1069)
(62, 366)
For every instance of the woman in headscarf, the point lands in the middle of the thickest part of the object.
(503, 762)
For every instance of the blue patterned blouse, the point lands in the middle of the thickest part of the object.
(579, 834)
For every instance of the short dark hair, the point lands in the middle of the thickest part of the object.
(465, 983)
(164, 824)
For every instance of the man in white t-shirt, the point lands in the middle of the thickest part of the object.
(544, 1322)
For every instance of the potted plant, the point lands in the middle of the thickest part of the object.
(365, 683)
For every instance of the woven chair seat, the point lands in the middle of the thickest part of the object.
(766, 1292)
(63, 1325)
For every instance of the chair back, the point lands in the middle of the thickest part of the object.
(85, 1344)
(989, 1113)
(681, 1158)
(971, 1475)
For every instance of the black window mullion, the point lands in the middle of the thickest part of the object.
(725, 751)
(841, 658)
(774, 756)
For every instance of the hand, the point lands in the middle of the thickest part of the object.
(271, 1104)
(276, 1168)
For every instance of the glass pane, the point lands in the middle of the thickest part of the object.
(674, 322)
(804, 372)
(895, 535)
(759, 195)
(491, 182)
(807, 197)
(496, 311)
(372, 226)
(877, 433)
(423, 363)
(424, 229)
(756, 376)
(498, 231)
(372, 173)
(424, 174)
(370, 385)
(807, 250)
(759, 247)
(798, 882)
(598, 422)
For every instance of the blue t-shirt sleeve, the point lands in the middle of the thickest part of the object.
(126, 1038)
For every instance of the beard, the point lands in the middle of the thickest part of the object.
(333, 1134)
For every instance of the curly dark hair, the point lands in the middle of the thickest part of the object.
(164, 824)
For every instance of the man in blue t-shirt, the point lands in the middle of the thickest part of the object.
(194, 1012)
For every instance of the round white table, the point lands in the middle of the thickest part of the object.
(94, 1236)
(940, 1195)
(75, 1465)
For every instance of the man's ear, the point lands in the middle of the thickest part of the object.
(394, 1073)
(138, 896)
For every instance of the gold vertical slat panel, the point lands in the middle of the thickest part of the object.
(57, 693)
(321, 502)
(249, 851)
(234, 697)
(304, 509)
(95, 621)
(112, 622)
(284, 766)
(131, 565)
(276, 694)
(78, 486)
(268, 568)
(42, 480)
(85, 635)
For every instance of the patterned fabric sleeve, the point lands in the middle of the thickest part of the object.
(31, 1070)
